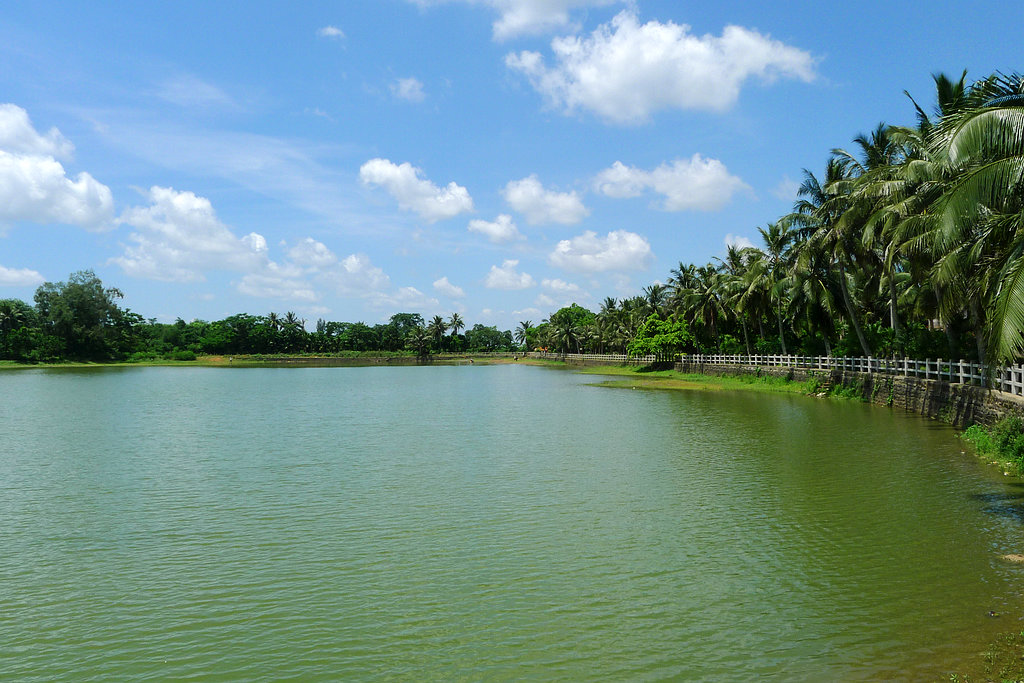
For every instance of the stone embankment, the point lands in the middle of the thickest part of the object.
(958, 404)
(895, 383)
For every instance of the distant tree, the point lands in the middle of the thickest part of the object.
(17, 329)
(523, 332)
(437, 328)
(419, 341)
(662, 338)
(80, 315)
(455, 323)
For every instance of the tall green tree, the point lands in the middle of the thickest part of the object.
(81, 315)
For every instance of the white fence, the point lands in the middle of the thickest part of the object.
(1009, 379)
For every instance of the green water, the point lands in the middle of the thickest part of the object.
(484, 523)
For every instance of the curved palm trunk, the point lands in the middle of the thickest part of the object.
(782, 337)
(746, 337)
(894, 318)
(849, 310)
(979, 331)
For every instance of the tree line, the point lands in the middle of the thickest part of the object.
(909, 243)
(81, 320)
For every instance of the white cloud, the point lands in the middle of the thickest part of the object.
(20, 277)
(330, 32)
(507, 277)
(448, 289)
(624, 71)
(178, 237)
(19, 136)
(587, 253)
(357, 276)
(695, 184)
(528, 17)
(738, 241)
(37, 189)
(786, 190)
(414, 193)
(405, 298)
(276, 283)
(530, 312)
(528, 197)
(560, 286)
(545, 301)
(312, 254)
(501, 230)
(409, 89)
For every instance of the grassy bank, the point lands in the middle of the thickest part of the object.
(350, 358)
(1002, 444)
(640, 377)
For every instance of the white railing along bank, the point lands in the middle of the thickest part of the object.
(1009, 379)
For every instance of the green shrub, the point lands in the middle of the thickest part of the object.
(183, 354)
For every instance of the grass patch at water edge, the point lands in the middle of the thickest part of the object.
(640, 378)
(1003, 444)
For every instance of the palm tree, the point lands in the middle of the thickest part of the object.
(436, 329)
(979, 220)
(655, 297)
(704, 302)
(816, 216)
(455, 324)
(522, 332)
(419, 340)
(733, 268)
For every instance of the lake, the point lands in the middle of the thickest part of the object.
(485, 523)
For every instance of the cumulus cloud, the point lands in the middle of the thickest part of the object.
(309, 253)
(357, 276)
(448, 289)
(37, 189)
(560, 286)
(20, 277)
(528, 17)
(502, 229)
(620, 250)
(686, 184)
(545, 301)
(540, 206)
(19, 136)
(409, 89)
(178, 237)
(277, 283)
(506, 277)
(738, 241)
(624, 71)
(405, 183)
(330, 32)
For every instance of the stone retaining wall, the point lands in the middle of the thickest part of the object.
(958, 404)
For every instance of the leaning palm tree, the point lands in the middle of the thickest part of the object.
(816, 218)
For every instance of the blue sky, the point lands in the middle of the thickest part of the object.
(496, 158)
